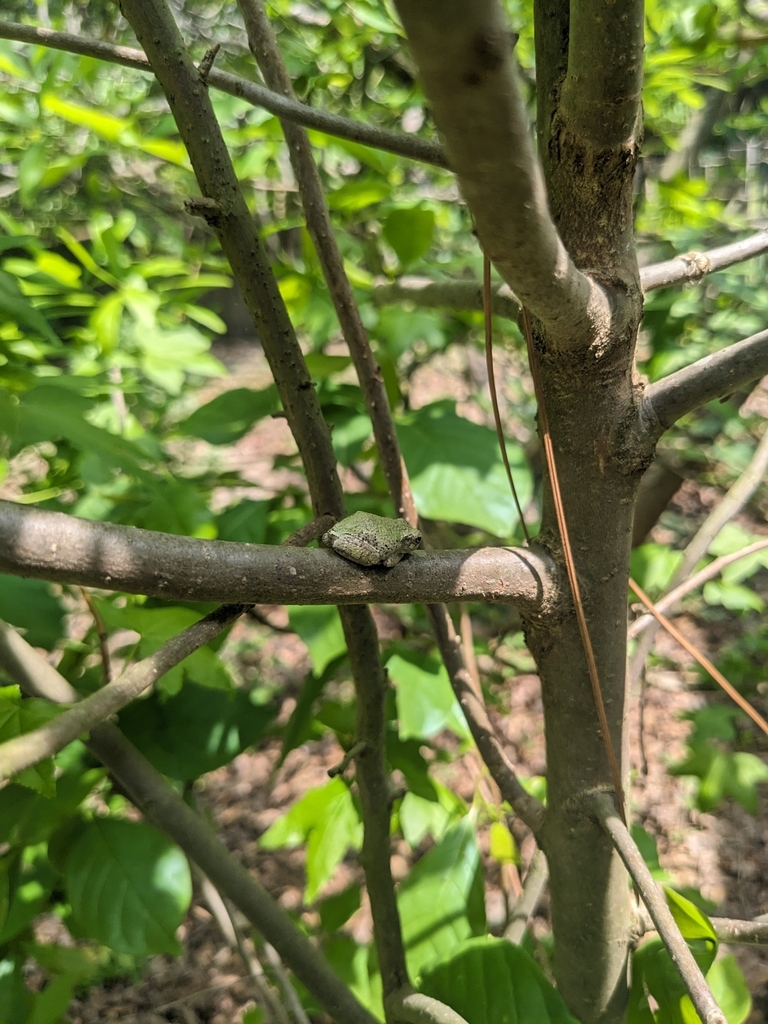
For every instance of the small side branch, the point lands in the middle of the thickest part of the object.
(694, 265)
(603, 807)
(528, 808)
(409, 146)
(711, 377)
(157, 800)
(61, 548)
(30, 748)
(535, 882)
(727, 929)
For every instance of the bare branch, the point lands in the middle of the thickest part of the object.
(711, 377)
(422, 291)
(465, 58)
(64, 549)
(536, 879)
(603, 85)
(416, 1008)
(157, 800)
(727, 929)
(263, 43)
(31, 747)
(694, 265)
(737, 497)
(503, 773)
(409, 146)
(669, 601)
(603, 807)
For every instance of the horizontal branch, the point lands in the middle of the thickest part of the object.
(711, 377)
(727, 929)
(32, 747)
(602, 805)
(693, 265)
(64, 549)
(409, 146)
(462, 295)
(416, 1008)
(156, 799)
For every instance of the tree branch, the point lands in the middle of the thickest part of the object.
(695, 265)
(264, 47)
(727, 929)
(64, 549)
(409, 146)
(602, 806)
(31, 747)
(669, 600)
(464, 55)
(711, 377)
(528, 808)
(603, 85)
(421, 291)
(156, 799)
(536, 879)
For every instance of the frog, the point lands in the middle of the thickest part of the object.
(372, 540)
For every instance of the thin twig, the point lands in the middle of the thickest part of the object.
(727, 929)
(601, 804)
(158, 801)
(494, 394)
(705, 663)
(693, 265)
(409, 146)
(732, 503)
(671, 598)
(101, 632)
(285, 983)
(535, 882)
(31, 747)
(573, 578)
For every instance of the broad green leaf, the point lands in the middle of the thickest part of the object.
(731, 994)
(441, 901)
(653, 566)
(27, 817)
(245, 522)
(49, 1005)
(31, 607)
(129, 886)
(357, 195)
(327, 820)
(355, 965)
(425, 701)
(732, 596)
(490, 981)
(420, 817)
(226, 418)
(106, 125)
(195, 731)
(15, 997)
(337, 910)
(410, 233)
(319, 626)
(502, 845)
(18, 716)
(456, 470)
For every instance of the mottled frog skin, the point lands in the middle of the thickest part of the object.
(372, 540)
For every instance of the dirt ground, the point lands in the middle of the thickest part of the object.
(723, 854)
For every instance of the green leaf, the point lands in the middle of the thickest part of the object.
(27, 818)
(230, 416)
(327, 820)
(195, 731)
(29, 605)
(20, 309)
(129, 886)
(730, 989)
(425, 701)
(319, 626)
(420, 817)
(356, 966)
(490, 981)
(337, 910)
(18, 716)
(502, 845)
(456, 470)
(410, 232)
(723, 774)
(245, 522)
(441, 901)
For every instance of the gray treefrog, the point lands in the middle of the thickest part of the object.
(372, 540)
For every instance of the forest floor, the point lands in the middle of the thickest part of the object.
(723, 855)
